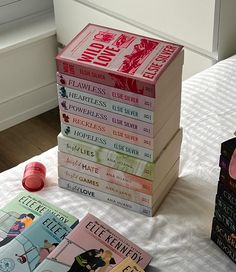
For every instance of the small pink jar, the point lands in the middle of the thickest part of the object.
(34, 176)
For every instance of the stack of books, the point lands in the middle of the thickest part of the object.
(37, 236)
(119, 97)
(224, 221)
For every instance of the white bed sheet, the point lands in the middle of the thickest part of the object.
(178, 236)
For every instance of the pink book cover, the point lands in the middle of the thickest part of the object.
(95, 245)
(116, 58)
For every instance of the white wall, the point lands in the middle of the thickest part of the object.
(27, 72)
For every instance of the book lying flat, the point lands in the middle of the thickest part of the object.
(127, 265)
(93, 245)
(122, 60)
(32, 246)
(20, 213)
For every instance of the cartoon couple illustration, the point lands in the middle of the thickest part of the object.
(92, 259)
(21, 223)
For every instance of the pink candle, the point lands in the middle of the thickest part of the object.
(34, 176)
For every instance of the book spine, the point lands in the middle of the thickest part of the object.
(226, 194)
(120, 121)
(116, 147)
(228, 251)
(85, 191)
(107, 78)
(105, 186)
(227, 209)
(224, 239)
(106, 130)
(227, 180)
(106, 173)
(106, 104)
(102, 155)
(224, 218)
(105, 91)
(224, 233)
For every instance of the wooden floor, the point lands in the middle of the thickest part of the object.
(28, 139)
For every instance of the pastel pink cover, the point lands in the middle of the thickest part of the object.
(92, 233)
(129, 57)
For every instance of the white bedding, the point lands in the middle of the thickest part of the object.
(178, 235)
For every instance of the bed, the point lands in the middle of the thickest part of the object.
(178, 235)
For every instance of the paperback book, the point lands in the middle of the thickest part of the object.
(153, 145)
(29, 249)
(119, 95)
(147, 209)
(20, 213)
(105, 104)
(106, 173)
(100, 142)
(93, 245)
(103, 128)
(153, 171)
(138, 185)
(127, 265)
(163, 114)
(120, 59)
(104, 186)
(103, 196)
(129, 124)
(224, 238)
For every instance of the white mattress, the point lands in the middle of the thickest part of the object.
(178, 235)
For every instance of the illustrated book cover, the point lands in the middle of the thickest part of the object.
(32, 246)
(127, 265)
(21, 211)
(119, 59)
(93, 245)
